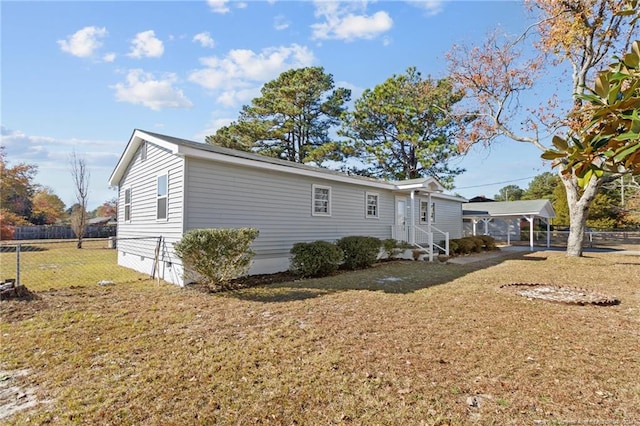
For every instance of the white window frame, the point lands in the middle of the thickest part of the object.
(143, 151)
(164, 197)
(127, 212)
(423, 216)
(314, 211)
(376, 215)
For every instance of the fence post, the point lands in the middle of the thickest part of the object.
(18, 264)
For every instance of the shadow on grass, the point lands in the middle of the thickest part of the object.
(402, 277)
(12, 249)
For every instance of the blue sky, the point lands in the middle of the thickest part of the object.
(80, 76)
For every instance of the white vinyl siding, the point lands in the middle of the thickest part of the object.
(278, 204)
(321, 200)
(372, 205)
(141, 179)
(448, 215)
(162, 194)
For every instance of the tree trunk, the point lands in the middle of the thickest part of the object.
(578, 211)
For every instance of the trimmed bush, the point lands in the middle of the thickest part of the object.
(359, 252)
(489, 242)
(316, 259)
(390, 247)
(216, 256)
(453, 247)
(478, 243)
(465, 246)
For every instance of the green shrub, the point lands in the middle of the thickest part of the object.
(359, 252)
(465, 245)
(489, 242)
(453, 247)
(216, 256)
(316, 259)
(478, 243)
(390, 247)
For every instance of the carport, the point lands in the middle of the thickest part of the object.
(510, 210)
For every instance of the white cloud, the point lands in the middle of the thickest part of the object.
(204, 38)
(432, 7)
(83, 43)
(280, 23)
(213, 126)
(109, 57)
(52, 157)
(230, 98)
(142, 88)
(219, 6)
(145, 44)
(241, 71)
(348, 21)
(224, 6)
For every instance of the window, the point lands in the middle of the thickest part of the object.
(424, 211)
(321, 200)
(371, 205)
(127, 204)
(143, 151)
(161, 210)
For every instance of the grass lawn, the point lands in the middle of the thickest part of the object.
(403, 343)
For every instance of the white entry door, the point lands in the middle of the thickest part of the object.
(401, 228)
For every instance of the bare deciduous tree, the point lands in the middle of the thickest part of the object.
(80, 175)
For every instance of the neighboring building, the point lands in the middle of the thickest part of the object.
(167, 186)
(504, 220)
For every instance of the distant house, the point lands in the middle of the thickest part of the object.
(504, 220)
(167, 186)
(102, 221)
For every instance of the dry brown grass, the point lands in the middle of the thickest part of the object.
(402, 343)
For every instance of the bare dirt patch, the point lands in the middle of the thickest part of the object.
(13, 396)
(560, 294)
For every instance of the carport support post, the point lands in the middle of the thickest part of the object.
(548, 234)
(486, 225)
(530, 220)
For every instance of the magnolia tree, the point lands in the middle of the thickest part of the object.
(583, 34)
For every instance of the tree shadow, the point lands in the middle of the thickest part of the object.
(401, 277)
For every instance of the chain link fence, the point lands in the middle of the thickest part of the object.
(44, 265)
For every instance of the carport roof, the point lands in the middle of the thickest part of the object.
(538, 208)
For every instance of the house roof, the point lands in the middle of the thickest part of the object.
(100, 220)
(540, 208)
(189, 148)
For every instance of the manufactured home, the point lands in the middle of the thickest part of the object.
(167, 186)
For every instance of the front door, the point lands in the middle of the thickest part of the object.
(401, 228)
